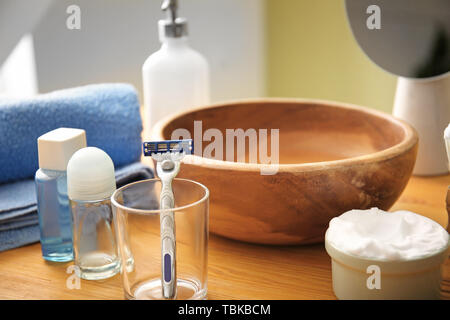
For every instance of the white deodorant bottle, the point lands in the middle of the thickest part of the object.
(90, 184)
(176, 77)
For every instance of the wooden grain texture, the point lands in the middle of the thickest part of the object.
(236, 270)
(333, 158)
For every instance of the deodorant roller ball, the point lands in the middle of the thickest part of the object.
(90, 184)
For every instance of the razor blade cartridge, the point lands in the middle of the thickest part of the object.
(168, 146)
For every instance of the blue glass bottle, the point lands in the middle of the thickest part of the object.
(55, 148)
(54, 215)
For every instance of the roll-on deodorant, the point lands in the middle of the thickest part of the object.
(91, 182)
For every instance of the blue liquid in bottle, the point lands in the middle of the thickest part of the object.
(55, 219)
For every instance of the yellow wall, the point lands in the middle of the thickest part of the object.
(312, 54)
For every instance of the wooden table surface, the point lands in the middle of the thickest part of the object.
(236, 270)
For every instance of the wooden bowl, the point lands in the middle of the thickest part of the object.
(333, 157)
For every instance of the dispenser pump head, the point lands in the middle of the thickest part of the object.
(173, 26)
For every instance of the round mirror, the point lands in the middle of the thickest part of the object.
(409, 38)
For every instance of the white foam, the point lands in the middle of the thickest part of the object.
(377, 234)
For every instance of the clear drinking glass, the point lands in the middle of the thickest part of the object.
(137, 217)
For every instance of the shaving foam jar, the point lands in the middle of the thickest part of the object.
(386, 255)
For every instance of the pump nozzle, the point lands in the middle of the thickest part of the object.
(171, 7)
(173, 26)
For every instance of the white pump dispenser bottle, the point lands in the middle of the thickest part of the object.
(176, 77)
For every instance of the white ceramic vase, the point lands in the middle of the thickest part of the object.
(425, 104)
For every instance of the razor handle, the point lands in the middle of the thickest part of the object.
(168, 242)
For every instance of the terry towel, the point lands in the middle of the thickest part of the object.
(18, 213)
(109, 113)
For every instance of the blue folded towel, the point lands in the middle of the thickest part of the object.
(18, 211)
(19, 195)
(28, 219)
(19, 237)
(108, 112)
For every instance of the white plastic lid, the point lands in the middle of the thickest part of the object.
(90, 175)
(55, 148)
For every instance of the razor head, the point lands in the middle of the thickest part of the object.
(153, 148)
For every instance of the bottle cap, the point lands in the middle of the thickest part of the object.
(169, 29)
(90, 175)
(57, 146)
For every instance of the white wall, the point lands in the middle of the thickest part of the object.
(18, 17)
(18, 72)
(116, 36)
